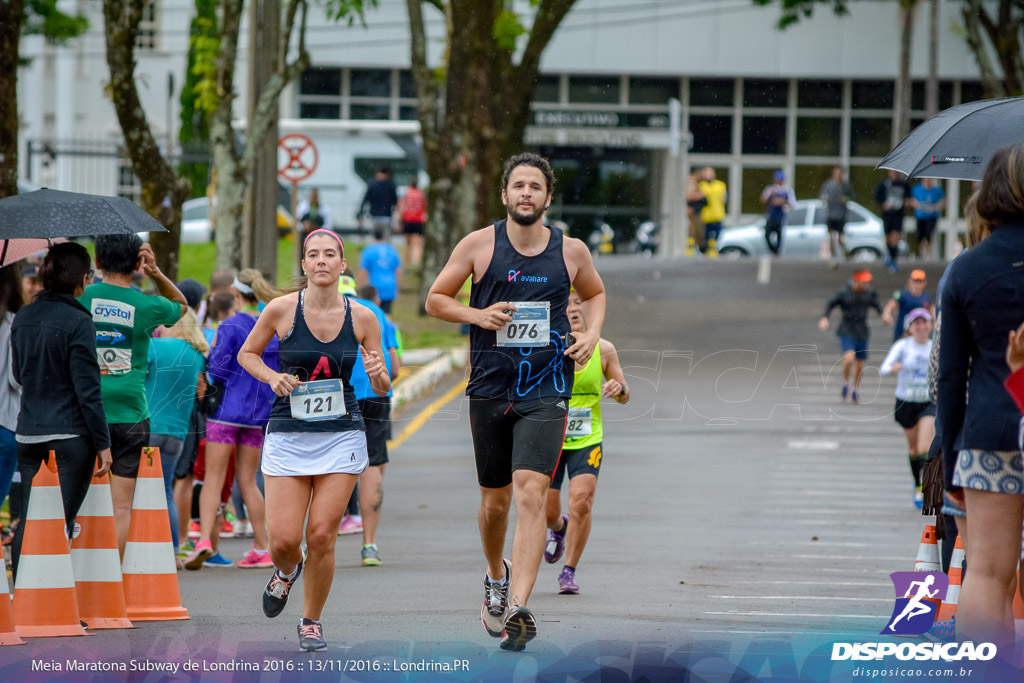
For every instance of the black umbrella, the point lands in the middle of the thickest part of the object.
(52, 213)
(958, 142)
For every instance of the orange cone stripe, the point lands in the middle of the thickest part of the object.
(48, 539)
(150, 495)
(96, 564)
(161, 588)
(151, 525)
(94, 533)
(44, 571)
(45, 502)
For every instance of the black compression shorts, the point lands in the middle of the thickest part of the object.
(376, 413)
(526, 435)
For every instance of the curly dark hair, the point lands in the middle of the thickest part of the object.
(529, 159)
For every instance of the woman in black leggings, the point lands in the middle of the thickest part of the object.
(53, 355)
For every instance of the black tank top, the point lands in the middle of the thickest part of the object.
(303, 355)
(522, 373)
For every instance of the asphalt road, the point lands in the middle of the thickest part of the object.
(742, 508)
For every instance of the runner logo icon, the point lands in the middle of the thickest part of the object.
(918, 596)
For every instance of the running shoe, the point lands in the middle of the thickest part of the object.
(186, 550)
(275, 595)
(495, 608)
(520, 628)
(854, 397)
(894, 268)
(256, 558)
(350, 525)
(200, 554)
(556, 543)
(918, 498)
(567, 582)
(846, 391)
(227, 529)
(311, 636)
(193, 529)
(218, 560)
(371, 556)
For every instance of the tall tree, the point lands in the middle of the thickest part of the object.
(474, 108)
(163, 192)
(998, 34)
(31, 17)
(196, 101)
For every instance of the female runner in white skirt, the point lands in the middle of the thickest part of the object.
(315, 446)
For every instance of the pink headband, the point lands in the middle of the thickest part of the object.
(323, 231)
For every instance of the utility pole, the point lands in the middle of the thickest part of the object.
(259, 221)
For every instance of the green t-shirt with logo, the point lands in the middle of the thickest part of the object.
(125, 319)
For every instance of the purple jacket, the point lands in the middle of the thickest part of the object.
(246, 401)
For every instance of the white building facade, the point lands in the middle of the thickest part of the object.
(753, 100)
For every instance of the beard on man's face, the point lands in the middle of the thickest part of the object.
(525, 218)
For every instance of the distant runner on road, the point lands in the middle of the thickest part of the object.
(853, 300)
(582, 452)
(522, 355)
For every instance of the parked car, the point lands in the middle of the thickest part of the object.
(195, 221)
(805, 233)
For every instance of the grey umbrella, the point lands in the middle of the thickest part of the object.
(52, 213)
(958, 142)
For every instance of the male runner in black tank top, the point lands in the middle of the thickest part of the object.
(522, 371)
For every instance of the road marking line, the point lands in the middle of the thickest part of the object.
(856, 558)
(879, 584)
(426, 414)
(797, 597)
(788, 614)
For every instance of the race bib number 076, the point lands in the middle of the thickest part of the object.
(530, 325)
(320, 400)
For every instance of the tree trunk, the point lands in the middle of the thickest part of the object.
(901, 106)
(155, 174)
(931, 88)
(12, 13)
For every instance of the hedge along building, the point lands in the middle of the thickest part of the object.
(753, 100)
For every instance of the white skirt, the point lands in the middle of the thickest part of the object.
(308, 454)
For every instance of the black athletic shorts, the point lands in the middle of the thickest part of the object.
(412, 228)
(377, 416)
(926, 228)
(892, 222)
(526, 435)
(836, 225)
(126, 443)
(586, 460)
(907, 413)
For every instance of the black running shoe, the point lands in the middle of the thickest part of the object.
(275, 595)
(520, 628)
(311, 637)
(495, 608)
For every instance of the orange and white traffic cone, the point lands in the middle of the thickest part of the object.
(45, 603)
(97, 562)
(947, 611)
(928, 552)
(148, 571)
(8, 635)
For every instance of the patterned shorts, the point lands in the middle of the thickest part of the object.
(996, 471)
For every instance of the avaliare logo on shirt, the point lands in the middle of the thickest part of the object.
(517, 276)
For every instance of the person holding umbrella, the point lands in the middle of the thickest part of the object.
(125, 320)
(53, 357)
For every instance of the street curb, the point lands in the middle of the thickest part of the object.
(423, 380)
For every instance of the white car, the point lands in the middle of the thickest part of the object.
(195, 221)
(805, 232)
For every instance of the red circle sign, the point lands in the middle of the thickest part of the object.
(300, 157)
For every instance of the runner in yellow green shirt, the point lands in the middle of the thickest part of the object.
(581, 456)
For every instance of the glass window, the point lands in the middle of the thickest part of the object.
(712, 92)
(870, 137)
(764, 135)
(319, 110)
(971, 92)
(855, 215)
(808, 179)
(765, 93)
(546, 89)
(864, 180)
(370, 83)
(594, 89)
(711, 134)
(917, 95)
(817, 136)
(796, 216)
(406, 84)
(652, 90)
(819, 94)
(754, 182)
(376, 112)
(872, 94)
(320, 81)
(407, 113)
